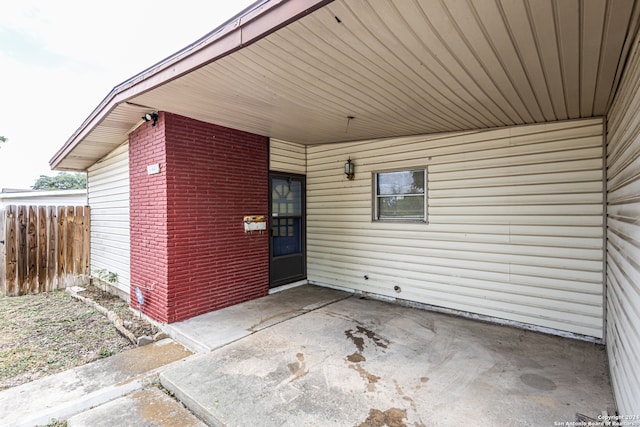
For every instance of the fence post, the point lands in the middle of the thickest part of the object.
(78, 227)
(52, 247)
(86, 245)
(62, 247)
(42, 282)
(71, 250)
(21, 231)
(11, 251)
(32, 250)
(3, 258)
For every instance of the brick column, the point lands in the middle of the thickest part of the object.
(189, 252)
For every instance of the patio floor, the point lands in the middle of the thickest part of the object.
(324, 357)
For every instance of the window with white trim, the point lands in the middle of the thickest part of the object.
(400, 195)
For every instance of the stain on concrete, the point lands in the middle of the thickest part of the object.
(548, 401)
(404, 397)
(392, 417)
(369, 378)
(377, 340)
(342, 316)
(424, 379)
(356, 358)
(398, 388)
(75, 384)
(265, 320)
(144, 359)
(160, 410)
(298, 369)
(358, 341)
(426, 323)
(526, 363)
(538, 382)
(358, 334)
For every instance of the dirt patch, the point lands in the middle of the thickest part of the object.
(134, 323)
(48, 333)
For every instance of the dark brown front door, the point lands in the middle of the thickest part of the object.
(287, 252)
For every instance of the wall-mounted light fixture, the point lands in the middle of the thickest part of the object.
(151, 117)
(350, 170)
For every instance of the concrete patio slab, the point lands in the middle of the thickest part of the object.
(67, 393)
(359, 362)
(149, 407)
(217, 328)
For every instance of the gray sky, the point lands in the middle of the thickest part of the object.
(59, 59)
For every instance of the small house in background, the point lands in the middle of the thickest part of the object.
(42, 198)
(480, 158)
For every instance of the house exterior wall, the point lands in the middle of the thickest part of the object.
(108, 190)
(623, 239)
(515, 223)
(148, 210)
(287, 157)
(189, 251)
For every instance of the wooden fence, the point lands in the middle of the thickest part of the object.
(44, 248)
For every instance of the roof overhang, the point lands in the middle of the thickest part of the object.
(315, 72)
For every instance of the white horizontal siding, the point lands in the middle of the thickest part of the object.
(623, 239)
(515, 223)
(287, 157)
(108, 182)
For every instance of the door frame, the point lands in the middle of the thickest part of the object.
(303, 228)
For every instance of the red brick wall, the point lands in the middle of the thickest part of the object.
(210, 178)
(148, 219)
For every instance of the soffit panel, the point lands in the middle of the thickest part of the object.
(411, 67)
(404, 68)
(104, 138)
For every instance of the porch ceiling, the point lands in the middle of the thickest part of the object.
(398, 68)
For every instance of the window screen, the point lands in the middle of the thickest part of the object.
(401, 195)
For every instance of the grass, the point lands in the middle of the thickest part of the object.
(48, 333)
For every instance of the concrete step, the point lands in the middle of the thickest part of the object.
(149, 407)
(216, 329)
(71, 392)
